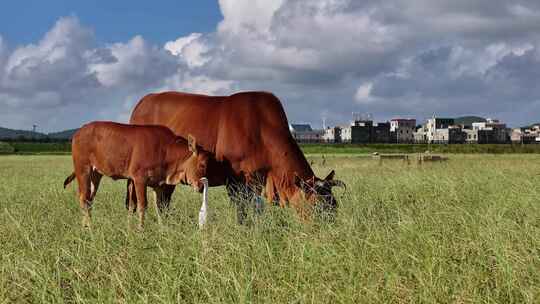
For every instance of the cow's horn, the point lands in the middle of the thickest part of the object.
(337, 183)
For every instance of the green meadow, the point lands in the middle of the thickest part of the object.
(462, 231)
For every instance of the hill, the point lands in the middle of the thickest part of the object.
(13, 134)
(67, 134)
(6, 133)
(468, 120)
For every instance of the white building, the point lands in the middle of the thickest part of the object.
(346, 134)
(526, 136)
(332, 135)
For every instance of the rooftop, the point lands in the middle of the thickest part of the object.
(301, 127)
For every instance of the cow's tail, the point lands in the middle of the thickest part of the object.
(69, 179)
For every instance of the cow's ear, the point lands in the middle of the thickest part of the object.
(192, 143)
(330, 176)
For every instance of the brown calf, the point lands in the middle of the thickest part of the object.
(148, 155)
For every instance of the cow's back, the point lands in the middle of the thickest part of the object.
(184, 114)
(248, 130)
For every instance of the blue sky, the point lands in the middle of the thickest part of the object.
(26, 21)
(64, 63)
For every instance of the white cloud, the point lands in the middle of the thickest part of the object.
(244, 16)
(198, 84)
(67, 70)
(137, 64)
(363, 94)
(176, 47)
(190, 48)
(48, 65)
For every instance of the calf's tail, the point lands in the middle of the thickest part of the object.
(69, 179)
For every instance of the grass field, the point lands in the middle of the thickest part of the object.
(463, 231)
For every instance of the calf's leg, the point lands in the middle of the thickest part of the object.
(83, 180)
(131, 197)
(140, 189)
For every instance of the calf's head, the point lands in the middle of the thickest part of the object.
(318, 192)
(190, 170)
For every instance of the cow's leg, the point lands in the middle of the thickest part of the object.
(163, 197)
(256, 197)
(83, 179)
(140, 190)
(95, 179)
(237, 193)
(255, 185)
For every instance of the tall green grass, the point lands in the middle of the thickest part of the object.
(463, 231)
(6, 148)
(39, 147)
(419, 148)
(65, 148)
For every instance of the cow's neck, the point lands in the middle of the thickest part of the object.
(283, 175)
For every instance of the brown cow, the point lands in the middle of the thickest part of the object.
(249, 135)
(148, 155)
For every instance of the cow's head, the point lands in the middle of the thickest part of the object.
(318, 191)
(190, 170)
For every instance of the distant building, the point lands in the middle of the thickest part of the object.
(420, 135)
(361, 131)
(346, 134)
(525, 136)
(357, 132)
(442, 130)
(332, 135)
(471, 136)
(491, 131)
(402, 130)
(365, 131)
(489, 124)
(449, 135)
(436, 129)
(304, 133)
(380, 132)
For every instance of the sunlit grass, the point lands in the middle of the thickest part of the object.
(463, 231)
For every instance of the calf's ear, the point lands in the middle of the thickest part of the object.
(192, 143)
(175, 178)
